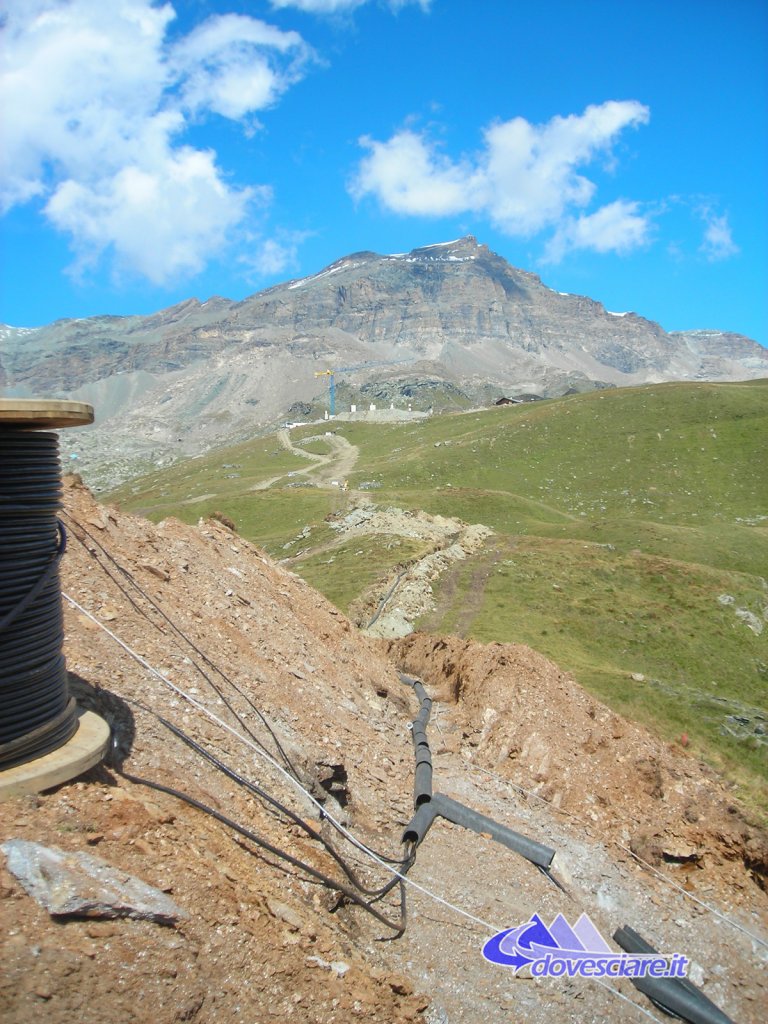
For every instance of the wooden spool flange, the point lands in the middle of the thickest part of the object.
(44, 413)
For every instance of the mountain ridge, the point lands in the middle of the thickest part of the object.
(453, 315)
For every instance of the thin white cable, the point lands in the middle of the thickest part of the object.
(626, 849)
(289, 778)
(297, 785)
(634, 1005)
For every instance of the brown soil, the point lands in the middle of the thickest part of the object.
(539, 729)
(263, 941)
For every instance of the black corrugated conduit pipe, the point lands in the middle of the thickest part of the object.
(37, 714)
(452, 810)
(430, 806)
(676, 996)
(417, 828)
(441, 806)
(422, 779)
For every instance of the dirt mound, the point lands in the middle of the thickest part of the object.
(522, 717)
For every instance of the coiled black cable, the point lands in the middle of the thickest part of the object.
(37, 714)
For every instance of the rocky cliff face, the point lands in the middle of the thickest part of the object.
(440, 321)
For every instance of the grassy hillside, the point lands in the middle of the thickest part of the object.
(631, 542)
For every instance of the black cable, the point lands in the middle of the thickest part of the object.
(180, 633)
(406, 862)
(344, 890)
(386, 598)
(36, 712)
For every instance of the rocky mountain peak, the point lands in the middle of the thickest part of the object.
(450, 321)
(459, 250)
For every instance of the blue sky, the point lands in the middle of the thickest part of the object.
(152, 152)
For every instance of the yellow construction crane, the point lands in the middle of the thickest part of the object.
(331, 375)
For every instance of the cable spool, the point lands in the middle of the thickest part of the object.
(37, 714)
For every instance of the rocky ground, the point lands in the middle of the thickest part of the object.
(645, 835)
(394, 604)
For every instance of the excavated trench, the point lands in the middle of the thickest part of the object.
(392, 606)
(509, 710)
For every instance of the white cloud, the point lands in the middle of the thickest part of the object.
(233, 65)
(525, 179)
(95, 102)
(617, 227)
(270, 256)
(407, 175)
(718, 241)
(319, 6)
(342, 6)
(161, 221)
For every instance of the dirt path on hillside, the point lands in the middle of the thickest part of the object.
(413, 595)
(396, 602)
(337, 465)
(533, 501)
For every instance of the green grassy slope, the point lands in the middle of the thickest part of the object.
(226, 472)
(631, 547)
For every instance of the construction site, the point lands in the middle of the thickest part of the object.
(287, 817)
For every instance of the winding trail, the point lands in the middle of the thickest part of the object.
(336, 465)
(411, 594)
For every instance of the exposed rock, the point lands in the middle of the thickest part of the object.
(284, 913)
(441, 326)
(750, 620)
(81, 885)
